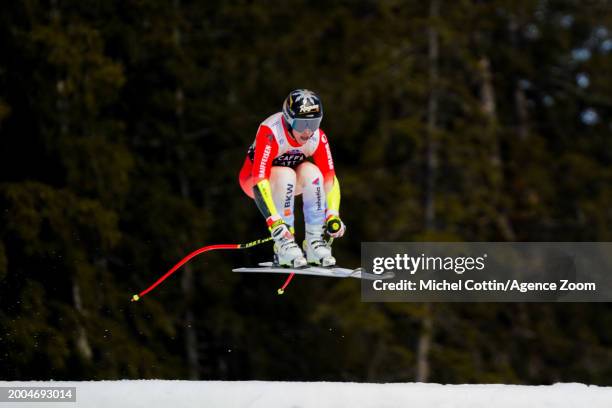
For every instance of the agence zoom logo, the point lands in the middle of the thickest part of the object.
(412, 264)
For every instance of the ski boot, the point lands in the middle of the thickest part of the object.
(318, 252)
(286, 251)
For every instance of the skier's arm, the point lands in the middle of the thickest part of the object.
(324, 161)
(263, 199)
(266, 149)
(333, 198)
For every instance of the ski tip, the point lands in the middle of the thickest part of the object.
(135, 298)
(280, 291)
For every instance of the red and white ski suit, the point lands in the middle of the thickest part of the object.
(278, 159)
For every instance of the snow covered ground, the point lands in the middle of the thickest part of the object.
(254, 394)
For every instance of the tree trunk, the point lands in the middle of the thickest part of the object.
(187, 281)
(191, 338)
(425, 341)
(427, 323)
(432, 119)
(488, 107)
(83, 346)
(520, 100)
(82, 342)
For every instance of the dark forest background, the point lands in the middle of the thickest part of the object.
(123, 125)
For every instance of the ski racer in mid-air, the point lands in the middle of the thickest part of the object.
(276, 170)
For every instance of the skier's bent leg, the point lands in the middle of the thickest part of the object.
(283, 187)
(310, 185)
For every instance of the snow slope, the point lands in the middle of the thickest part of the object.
(254, 394)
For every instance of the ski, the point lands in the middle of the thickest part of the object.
(329, 272)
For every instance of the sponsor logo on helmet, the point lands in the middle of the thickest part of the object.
(309, 108)
(316, 181)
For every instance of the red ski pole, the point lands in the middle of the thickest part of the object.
(195, 253)
(281, 290)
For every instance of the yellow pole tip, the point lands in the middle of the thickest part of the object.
(135, 298)
(281, 291)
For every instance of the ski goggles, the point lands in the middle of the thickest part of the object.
(301, 124)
